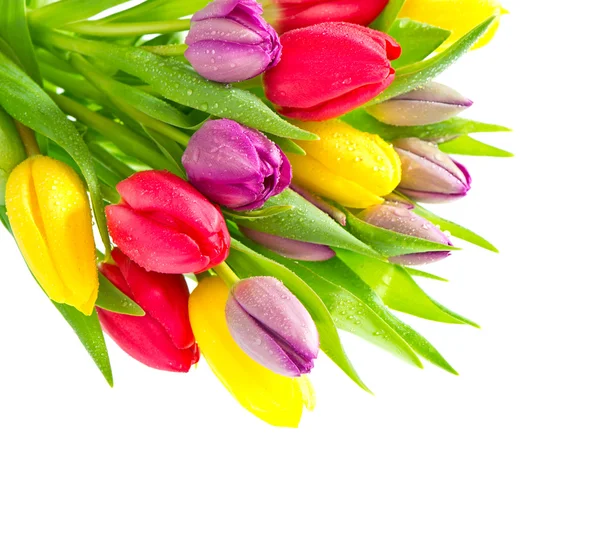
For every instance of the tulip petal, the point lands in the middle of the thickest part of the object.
(273, 398)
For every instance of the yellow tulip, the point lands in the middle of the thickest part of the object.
(346, 165)
(276, 399)
(50, 216)
(458, 16)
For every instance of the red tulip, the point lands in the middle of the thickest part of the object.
(163, 338)
(329, 69)
(301, 13)
(165, 225)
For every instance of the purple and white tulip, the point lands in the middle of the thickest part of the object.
(294, 249)
(428, 174)
(229, 41)
(272, 326)
(235, 166)
(399, 217)
(430, 104)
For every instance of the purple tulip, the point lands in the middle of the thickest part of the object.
(269, 323)
(294, 249)
(235, 166)
(399, 217)
(229, 41)
(430, 104)
(428, 174)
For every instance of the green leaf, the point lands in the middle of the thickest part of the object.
(389, 243)
(424, 274)
(417, 39)
(152, 10)
(14, 29)
(305, 222)
(468, 146)
(418, 74)
(255, 215)
(178, 82)
(88, 330)
(170, 149)
(457, 126)
(113, 299)
(22, 98)
(398, 289)
(249, 263)
(4, 217)
(287, 145)
(60, 13)
(386, 18)
(456, 230)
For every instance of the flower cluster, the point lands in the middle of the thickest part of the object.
(255, 182)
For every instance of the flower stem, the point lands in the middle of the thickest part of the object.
(167, 50)
(226, 273)
(28, 139)
(128, 29)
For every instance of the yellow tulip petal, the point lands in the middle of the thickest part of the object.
(67, 223)
(273, 398)
(313, 176)
(458, 16)
(308, 392)
(362, 158)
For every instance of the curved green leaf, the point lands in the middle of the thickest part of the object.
(468, 146)
(113, 299)
(60, 13)
(386, 18)
(417, 40)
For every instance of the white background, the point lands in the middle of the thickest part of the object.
(509, 447)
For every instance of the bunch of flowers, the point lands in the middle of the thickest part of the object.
(255, 175)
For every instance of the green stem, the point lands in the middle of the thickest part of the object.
(128, 29)
(167, 50)
(28, 138)
(226, 274)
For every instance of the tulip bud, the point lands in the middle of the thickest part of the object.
(330, 69)
(428, 174)
(294, 249)
(400, 218)
(12, 151)
(346, 165)
(163, 338)
(229, 41)
(301, 13)
(165, 225)
(235, 166)
(458, 17)
(431, 104)
(271, 325)
(50, 216)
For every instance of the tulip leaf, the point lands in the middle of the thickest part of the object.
(390, 243)
(424, 274)
(153, 10)
(418, 74)
(60, 13)
(170, 149)
(468, 146)
(417, 39)
(14, 29)
(457, 126)
(398, 290)
(287, 145)
(456, 230)
(22, 98)
(4, 217)
(254, 215)
(305, 222)
(113, 299)
(386, 18)
(178, 82)
(248, 263)
(89, 332)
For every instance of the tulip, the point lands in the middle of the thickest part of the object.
(12, 152)
(235, 166)
(457, 16)
(428, 174)
(50, 216)
(271, 325)
(399, 217)
(163, 338)
(229, 41)
(329, 69)
(276, 399)
(165, 225)
(300, 13)
(354, 168)
(428, 105)
(294, 249)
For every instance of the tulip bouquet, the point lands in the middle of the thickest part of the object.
(254, 174)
